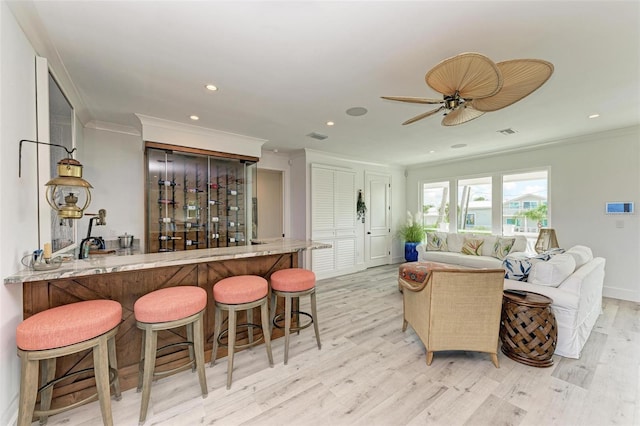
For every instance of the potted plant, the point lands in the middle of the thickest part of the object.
(412, 233)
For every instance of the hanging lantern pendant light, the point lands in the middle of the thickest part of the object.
(69, 177)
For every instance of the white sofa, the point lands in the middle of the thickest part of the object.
(447, 247)
(574, 281)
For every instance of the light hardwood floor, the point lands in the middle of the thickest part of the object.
(371, 373)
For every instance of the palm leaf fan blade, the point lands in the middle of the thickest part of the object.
(423, 115)
(412, 99)
(471, 75)
(521, 78)
(461, 115)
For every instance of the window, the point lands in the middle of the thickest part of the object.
(474, 205)
(435, 205)
(524, 201)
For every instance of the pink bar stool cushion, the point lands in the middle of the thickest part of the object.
(68, 324)
(240, 289)
(170, 304)
(294, 279)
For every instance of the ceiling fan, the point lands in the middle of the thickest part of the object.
(472, 84)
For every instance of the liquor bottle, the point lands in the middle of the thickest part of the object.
(232, 240)
(215, 236)
(191, 207)
(165, 220)
(193, 190)
(190, 225)
(214, 202)
(168, 238)
(215, 186)
(192, 243)
(233, 208)
(233, 192)
(163, 182)
(215, 219)
(165, 201)
(232, 224)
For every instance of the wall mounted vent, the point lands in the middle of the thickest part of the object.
(317, 136)
(508, 131)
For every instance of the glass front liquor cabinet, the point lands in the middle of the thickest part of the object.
(198, 199)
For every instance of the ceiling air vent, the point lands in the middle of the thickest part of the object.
(507, 132)
(317, 136)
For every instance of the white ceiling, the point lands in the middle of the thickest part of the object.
(285, 68)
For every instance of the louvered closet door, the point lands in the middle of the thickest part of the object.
(333, 220)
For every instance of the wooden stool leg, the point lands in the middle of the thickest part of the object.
(198, 347)
(314, 313)
(250, 321)
(101, 366)
(113, 363)
(191, 348)
(150, 347)
(264, 314)
(274, 307)
(47, 373)
(216, 334)
(287, 326)
(28, 389)
(231, 344)
(140, 364)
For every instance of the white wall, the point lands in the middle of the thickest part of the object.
(585, 173)
(114, 164)
(18, 221)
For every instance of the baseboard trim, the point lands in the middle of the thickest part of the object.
(621, 293)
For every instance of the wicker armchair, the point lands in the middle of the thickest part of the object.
(455, 309)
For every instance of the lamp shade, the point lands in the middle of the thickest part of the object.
(65, 187)
(546, 240)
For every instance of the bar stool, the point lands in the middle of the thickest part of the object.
(240, 293)
(165, 309)
(66, 330)
(291, 284)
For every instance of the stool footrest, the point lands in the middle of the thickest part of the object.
(280, 318)
(224, 333)
(113, 375)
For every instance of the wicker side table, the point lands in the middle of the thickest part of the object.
(528, 329)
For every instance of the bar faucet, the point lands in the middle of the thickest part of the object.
(86, 243)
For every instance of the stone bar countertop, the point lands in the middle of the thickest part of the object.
(108, 264)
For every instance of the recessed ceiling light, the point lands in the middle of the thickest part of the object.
(458, 145)
(594, 116)
(431, 152)
(330, 123)
(211, 87)
(194, 117)
(356, 111)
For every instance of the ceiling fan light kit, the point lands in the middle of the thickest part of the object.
(472, 84)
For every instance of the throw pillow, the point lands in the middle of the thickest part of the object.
(552, 272)
(436, 241)
(581, 255)
(518, 267)
(502, 247)
(472, 246)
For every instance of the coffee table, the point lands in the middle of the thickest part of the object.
(528, 329)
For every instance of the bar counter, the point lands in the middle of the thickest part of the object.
(127, 278)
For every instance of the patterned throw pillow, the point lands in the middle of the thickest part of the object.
(502, 247)
(518, 267)
(472, 246)
(436, 241)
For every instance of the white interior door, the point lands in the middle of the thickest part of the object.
(377, 241)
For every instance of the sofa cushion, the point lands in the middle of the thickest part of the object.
(502, 247)
(436, 241)
(460, 260)
(472, 246)
(580, 254)
(489, 242)
(553, 271)
(517, 266)
(454, 242)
